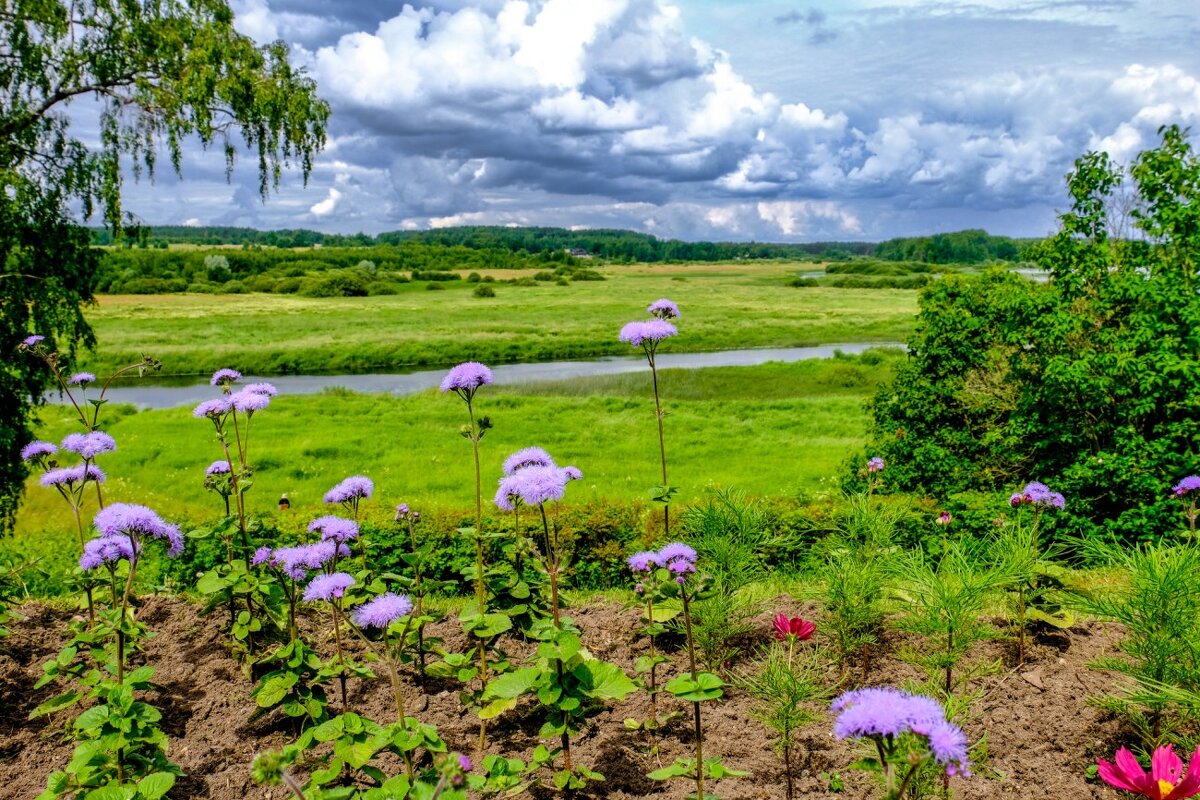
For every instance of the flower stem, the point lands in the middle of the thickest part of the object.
(687, 620)
(662, 446)
(480, 594)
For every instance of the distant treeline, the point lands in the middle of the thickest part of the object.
(620, 246)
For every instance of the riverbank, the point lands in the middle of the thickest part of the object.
(774, 429)
(734, 307)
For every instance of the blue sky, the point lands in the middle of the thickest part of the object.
(697, 119)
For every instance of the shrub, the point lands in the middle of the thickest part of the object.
(340, 283)
(484, 291)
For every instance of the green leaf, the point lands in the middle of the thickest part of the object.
(56, 703)
(682, 767)
(604, 681)
(155, 785)
(512, 684)
(706, 687)
(93, 718)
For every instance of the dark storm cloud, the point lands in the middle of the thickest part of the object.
(613, 112)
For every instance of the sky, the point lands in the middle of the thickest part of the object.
(762, 120)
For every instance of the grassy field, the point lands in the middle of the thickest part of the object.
(724, 306)
(773, 429)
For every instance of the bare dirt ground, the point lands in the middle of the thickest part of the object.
(1041, 733)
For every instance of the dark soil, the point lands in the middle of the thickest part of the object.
(1041, 733)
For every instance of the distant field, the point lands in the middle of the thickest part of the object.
(774, 429)
(724, 306)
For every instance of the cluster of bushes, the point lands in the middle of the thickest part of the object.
(324, 272)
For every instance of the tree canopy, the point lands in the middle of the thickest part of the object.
(159, 72)
(1087, 382)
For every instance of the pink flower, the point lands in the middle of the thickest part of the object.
(795, 627)
(1165, 781)
(944, 518)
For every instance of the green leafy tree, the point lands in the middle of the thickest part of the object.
(1087, 381)
(160, 72)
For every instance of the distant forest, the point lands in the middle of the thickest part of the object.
(620, 246)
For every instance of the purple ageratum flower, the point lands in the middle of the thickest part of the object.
(883, 711)
(464, 763)
(532, 486)
(248, 402)
(298, 560)
(81, 379)
(647, 333)
(261, 556)
(37, 449)
(527, 457)
(572, 474)
(664, 309)
(643, 561)
(354, 487)
(875, 464)
(69, 476)
(261, 388)
(224, 377)
(129, 518)
(382, 611)
(1186, 486)
(217, 468)
(212, 409)
(32, 341)
(334, 528)
(402, 511)
(947, 743)
(466, 378)
(328, 587)
(676, 551)
(89, 445)
(1038, 494)
(107, 550)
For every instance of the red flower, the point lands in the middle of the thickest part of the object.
(793, 627)
(1165, 781)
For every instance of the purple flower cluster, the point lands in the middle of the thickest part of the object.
(81, 379)
(130, 519)
(527, 457)
(328, 587)
(888, 712)
(32, 341)
(645, 561)
(664, 309)
(248, 402)
(108, 550)
(296, 561)
(1038, 494)
(217, 468)
(37, 449)
(69, 476)
(404, 512)
(224, 377)
(677, 557)
(261, 388)
(534, 485)
(466, 378)
(337, 529)
(213, 409)
(89, 445)
(875, 464)
(1186, 486)
(647, 333)
(353, 488)
(382, 611)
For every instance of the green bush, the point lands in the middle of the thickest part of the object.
(338, 283)
(484, 291)
(233, 287)
(382, 288)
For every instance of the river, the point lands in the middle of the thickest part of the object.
(157, 393)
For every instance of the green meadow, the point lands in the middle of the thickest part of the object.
(724, 305)
(775, 429)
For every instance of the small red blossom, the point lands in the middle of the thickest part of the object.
(1166, 779)
(793, 627)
